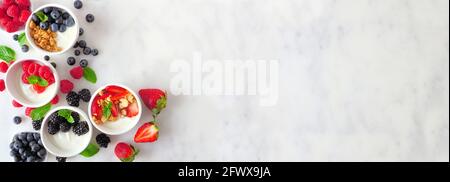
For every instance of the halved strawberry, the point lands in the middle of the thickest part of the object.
(115, 89)
(132, 110)
(38, 88)
(148, 132)
(115, 110)
(118, 96)
(96, 109)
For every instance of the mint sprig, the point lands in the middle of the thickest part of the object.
(90, 150)
(40, 112)
(42, 17)
(22, 39)
(107, 110)
(89, 75)
(7, 54)
(66, 114)
(37, 80)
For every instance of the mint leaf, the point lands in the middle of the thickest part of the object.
(89, 75)
(90, 150)
(107, 110)
(22, 39)
(37, 80)
(66, 114)
(41, 15)
(7, 54)
(39, 113)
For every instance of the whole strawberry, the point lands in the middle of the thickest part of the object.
(154, 99)
(148, 132)
(125, 152)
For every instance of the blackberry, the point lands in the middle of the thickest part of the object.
(76, 117)
(85, 95)
(37, 124)
(53, 127)
(65, 126)
(17, 120)
(53, 117)
(61, 159)
(80, 128)
(73, 99)
(102, 140)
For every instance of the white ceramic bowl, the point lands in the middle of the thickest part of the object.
(70, 41)
(66, 144)
(15, 87)
(122, 125)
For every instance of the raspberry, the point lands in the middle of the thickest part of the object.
(23, 2)
(55, 100)
(2, 85)
(11, 27)
(33, 69)
(5, 20)
(3, 67)
(28, 111)
(13, 11)
(7, 2)
(24, 16)
(25, 78)
(45, 72)
(66, 86)
(77, 72)
(2, 12)
(25, 65)
(16, 104)
(51, 79)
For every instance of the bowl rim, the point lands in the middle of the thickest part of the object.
(45, 121)
(31, 41)
(136, 119)
(11, 71)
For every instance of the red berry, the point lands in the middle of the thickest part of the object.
(11, 27)
(16, 104)
(28, 111)
(7, 2)
(3, 67)
(2, 85)
(77, 72)
(25, 78)
(45, 72)
(66, 86)
(13, 11)
(125, 152)
(55, 100)
(5, 20)
(2, 12)
(39, 89)
(51, 79)
(33, 69)
(23, 2)
(24, 16)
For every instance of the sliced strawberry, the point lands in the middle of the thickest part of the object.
(96, 110)
(38, 88)
(148, 132)
(55, 100)
(118, 96)
(115, 110)
(28, 111)
(115, 89)
(132, 110)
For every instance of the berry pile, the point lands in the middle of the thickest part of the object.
(39, 76)
(58, 122)
(58, 19)
(102, 140)
(27, 147)
(14, 14)
(73, 98)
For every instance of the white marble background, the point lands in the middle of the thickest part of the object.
(361, 80)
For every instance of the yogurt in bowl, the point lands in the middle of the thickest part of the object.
(115, 109)
(32, 83)
(52, 29)
(65, 131)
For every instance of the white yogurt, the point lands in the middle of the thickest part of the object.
(33, 96)
(65, 39)
(68, 141)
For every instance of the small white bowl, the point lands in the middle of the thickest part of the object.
(14, 85)
(65, 144)
(70, 41)
(122, 125)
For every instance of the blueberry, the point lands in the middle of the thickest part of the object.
(17, 120)
(78, 4)
(13, 153)
(65, 15)
(18, 145)
(59, 20)
(25, 48)
(69, 22)
(43, 25)
(90, 18)
(30, 137)
(22, 136)
(35, 19)
(30, 159)
(75, 45)
(82, 43)
(47, 58)
(32, 143)
(40, 143)
(35, 148)
(94, 52)
(17, 159)
(84, 63)
(87, 51)
(71, 61)
(15, 37)
(41, 153)
(36, 136)
(77, 52)
(62, 28)
(48, 10)
(53, 64)
(81, 32)
(11, 145)
(55, 14)
(21, 151)
(54, 27)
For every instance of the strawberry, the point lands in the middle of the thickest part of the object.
(28, 111)
(132, 110)
(16, 104)
(154, 99)
(24, 14)
(66, 86)
(3, 67)
(77, 72)
(13, 11)
(55, 100)
(96, 109)
(115, 89)
(148, 132)
(2, 85)
(39, 89)
(33, 69)
(125, 152)
(114, 110)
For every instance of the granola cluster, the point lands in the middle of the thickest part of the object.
(45, 39)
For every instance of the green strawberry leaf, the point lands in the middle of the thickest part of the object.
(37, 80)
(7, 54)
(41, 15)
(39, 113)
(22, 39)
(67, 114)
(89, 75)
(90, 150)
(107, 110)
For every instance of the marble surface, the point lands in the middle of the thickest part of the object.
(360, 80)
